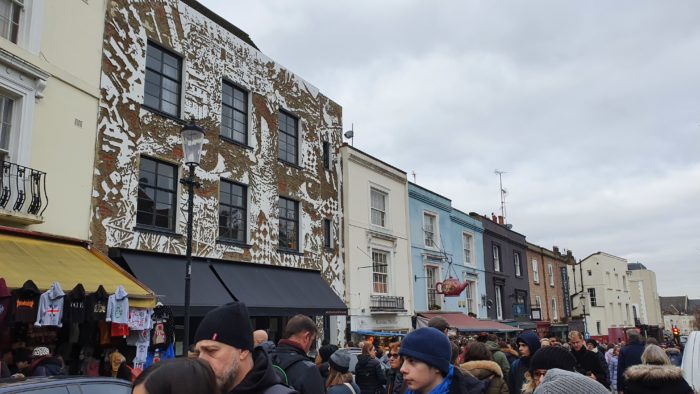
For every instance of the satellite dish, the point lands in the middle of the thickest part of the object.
(349, 134)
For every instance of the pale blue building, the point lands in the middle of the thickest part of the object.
(445, 242)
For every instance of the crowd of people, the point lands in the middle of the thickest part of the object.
(229, 357)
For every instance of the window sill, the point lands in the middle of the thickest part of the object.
(164, 114)
(157, 230)
(288, 164)
(234, 142)
(290, 251)
(231, 242)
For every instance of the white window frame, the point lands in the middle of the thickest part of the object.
(538, 301)
(535, 272)
(387, 275)
(497, 263)
(436, 278)
(499, 301)
(471, 293)
(550, 271)
(385, 193)
(517, 262)
(555, 311)
(593, 299)
(436, 230)
(30, 25)
(468, 246)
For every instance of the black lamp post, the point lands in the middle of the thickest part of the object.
(192, 140)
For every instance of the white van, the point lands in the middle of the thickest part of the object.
(691, 360)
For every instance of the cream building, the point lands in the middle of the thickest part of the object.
(606, 297)
(50, 53)
(376, 245)
(646, 308)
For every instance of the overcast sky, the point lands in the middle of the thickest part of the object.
(591, 108)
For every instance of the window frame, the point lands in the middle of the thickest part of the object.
(296, 138)
(538, 301)
(327, 233)
(535, 272)
(173, 201)
(14, 22)
(555, 311)
(376, 274)
(326, 154)
(179, 82)
(518, 265)
(295, 221)
(244, 208)
(550, 271)
(436, 278)
(373, 209)
(467, 246)
(498, 289)
(435, 233)
(592, 296)
(496, 253)
(6, 153)
(246, 94)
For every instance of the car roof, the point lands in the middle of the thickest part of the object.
(35, 382)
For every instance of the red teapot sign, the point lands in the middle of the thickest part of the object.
(450, 287)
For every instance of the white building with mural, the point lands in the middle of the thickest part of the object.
(606, 297)
(376, 245)
(267, 213)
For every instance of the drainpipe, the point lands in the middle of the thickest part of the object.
(545, 284)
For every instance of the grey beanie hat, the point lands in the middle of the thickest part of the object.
(558, 381)
(340, 360)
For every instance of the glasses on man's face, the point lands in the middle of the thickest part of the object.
(393, 355)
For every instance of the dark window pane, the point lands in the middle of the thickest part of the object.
(144, 218)
(162, 90)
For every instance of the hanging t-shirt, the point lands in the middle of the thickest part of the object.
(163, 326)
(96, 305)
(26, 302)
(140, 319)
(74, 305)
(120, 330)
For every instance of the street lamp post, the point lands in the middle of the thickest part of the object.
(192, 140)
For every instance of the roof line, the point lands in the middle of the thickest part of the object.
(45, 236)
(218, 19)
(345, 144)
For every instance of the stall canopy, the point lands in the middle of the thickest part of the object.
(266, 290)
(379, 333)
(45, 260)
(464, 323)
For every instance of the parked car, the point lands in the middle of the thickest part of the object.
(691, 360)
(65, 385)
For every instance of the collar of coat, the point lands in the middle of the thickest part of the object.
(487, 365)
(653, 373)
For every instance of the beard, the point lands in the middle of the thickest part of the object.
(228, 378)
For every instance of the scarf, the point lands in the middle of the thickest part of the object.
(442, 388)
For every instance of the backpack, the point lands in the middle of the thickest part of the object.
(281, 370)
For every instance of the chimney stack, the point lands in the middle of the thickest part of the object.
(493, 217)
(500, 219)
(569, 253)
(555, 249)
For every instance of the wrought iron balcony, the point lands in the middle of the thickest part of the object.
(23, 197)
(380, 303)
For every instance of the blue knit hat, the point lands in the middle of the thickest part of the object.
(430, 346)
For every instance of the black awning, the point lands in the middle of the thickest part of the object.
(266, 290)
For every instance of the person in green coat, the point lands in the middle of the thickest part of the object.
(498, 356)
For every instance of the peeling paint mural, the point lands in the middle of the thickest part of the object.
(127, 131)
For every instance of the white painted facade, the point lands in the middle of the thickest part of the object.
(52, 76)
(375, 229)
(606, 293)
(645, 298)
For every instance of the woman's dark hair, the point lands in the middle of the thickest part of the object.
(478, 351)
(178, 376)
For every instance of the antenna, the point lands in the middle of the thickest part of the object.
(503, 193)
(414, 176)
(351, 134)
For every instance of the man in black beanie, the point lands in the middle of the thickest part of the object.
(224, 339)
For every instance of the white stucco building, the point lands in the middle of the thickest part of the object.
(646, 308)
(376, 245)
(606, 297)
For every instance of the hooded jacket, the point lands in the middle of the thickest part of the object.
(516, 378)
(675, 356)
(588, 362)
(465, 383)
(262, 378)
(118, 306)
(50, 310)
(369, 374)
(499, 357)
(653, 379)
(74, 311)
(5, 302)
(26, 302)
(302, 373)
(96, 307)
(489, 372)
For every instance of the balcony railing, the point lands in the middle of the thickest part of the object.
(380, 303)
(22, 192)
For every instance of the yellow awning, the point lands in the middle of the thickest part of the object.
(45, 262)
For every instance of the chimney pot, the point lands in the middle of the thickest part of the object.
(500, 219)
(493, 217)
(555, 249)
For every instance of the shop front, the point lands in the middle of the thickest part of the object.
(381, 328)
(61, 294)
(272, 294)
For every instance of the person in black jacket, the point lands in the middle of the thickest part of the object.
(528, 343)
(291, 355)
(394, 378)
(44, 364)
(630, 355)
(587, 363)
(224, 339)
(369, 374)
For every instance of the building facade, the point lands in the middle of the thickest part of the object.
(507, 284)
(680, 312)
(445, 243)
(646, 309)
(269, 171)
(601, 283)
(49, 97)
(549, 284)
(376, 246)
